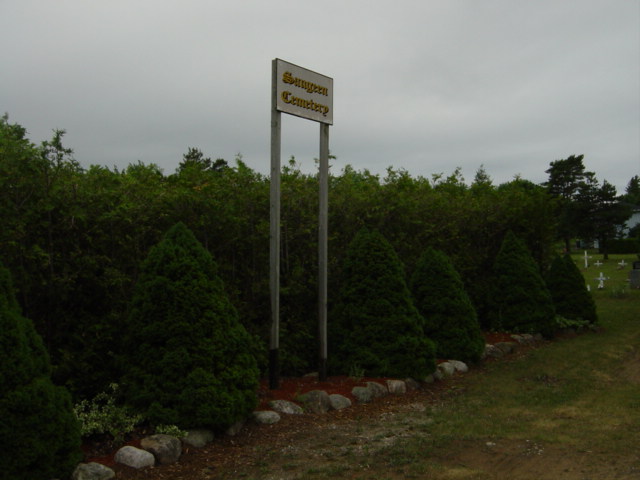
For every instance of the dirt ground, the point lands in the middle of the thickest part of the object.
(240, 455)
(341, 444)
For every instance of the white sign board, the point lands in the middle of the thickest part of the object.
(303, 93)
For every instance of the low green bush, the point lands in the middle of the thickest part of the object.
(172, 430)
(101, 415)
(563, 323)
(356, 372)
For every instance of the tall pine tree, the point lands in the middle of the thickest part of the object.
(450, 318)
(374, 325)
(189, 360)
(39, 433)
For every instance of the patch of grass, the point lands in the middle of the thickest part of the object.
(328, 471)
(573, 392)
(574, 403)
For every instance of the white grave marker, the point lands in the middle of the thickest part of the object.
(601, 280)
(622, 264)
(586, 259)
(597, 263)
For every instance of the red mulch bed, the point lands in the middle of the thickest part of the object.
(100, 450)
(496, 337)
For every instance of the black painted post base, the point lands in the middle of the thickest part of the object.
(322, 370)
(274, 370)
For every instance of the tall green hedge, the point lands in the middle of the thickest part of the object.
(450, 318)
(189, 360)
(569, 291)
(39, 434)
(74, 239)
(519, 299)
(374, 326)
(623, 245)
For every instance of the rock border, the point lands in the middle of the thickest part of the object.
(314, 402)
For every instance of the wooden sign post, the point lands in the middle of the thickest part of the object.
(307, 94)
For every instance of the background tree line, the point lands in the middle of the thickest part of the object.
(74, 239)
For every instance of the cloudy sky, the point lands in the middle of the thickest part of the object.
(425, 85)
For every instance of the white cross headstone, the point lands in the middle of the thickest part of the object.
(622, 264)
(597, 263)
(601, 280)
(586, 259)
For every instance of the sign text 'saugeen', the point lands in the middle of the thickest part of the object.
(304, 93)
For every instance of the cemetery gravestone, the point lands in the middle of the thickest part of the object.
(601, 280)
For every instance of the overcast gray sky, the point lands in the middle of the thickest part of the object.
(427, 85)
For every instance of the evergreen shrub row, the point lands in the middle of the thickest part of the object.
(385, 328)
(189, 362)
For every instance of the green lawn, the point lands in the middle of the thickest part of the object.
(575, 401)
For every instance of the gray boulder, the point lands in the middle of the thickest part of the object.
(396, 387)
(285, 406)
(316, 401)
(338, 402)
(528, 339)
(459, 366)
(362, 394)
(377, 389)
(446, 368)
(92, 471)
(134, 457)
(198, 438)
(507, 347)
(166, 448)
(266, 417)
(411, 384)
(492, 351)
(524, 338)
